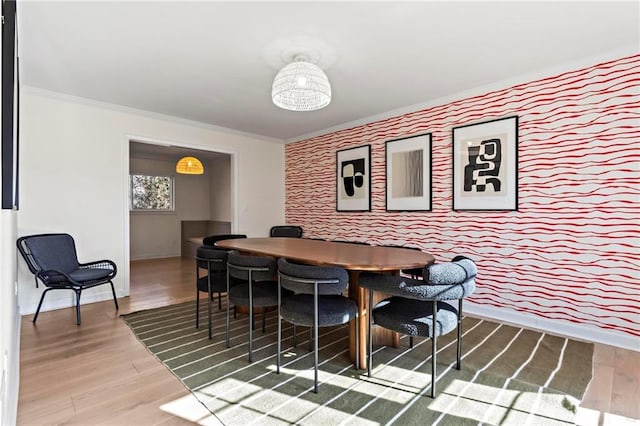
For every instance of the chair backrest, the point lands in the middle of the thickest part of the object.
(298, 278)
(212, 259)
(263, 268)
(212, 239)
(451, 280)
(442, 281)
(291, 231)
(43, 252)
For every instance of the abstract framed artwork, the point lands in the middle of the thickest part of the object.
(408, 173)
(353, 179)
(485, 165)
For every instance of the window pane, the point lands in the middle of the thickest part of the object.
(151, 192)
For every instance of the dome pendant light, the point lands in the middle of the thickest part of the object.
(189, 166)
(301, 86)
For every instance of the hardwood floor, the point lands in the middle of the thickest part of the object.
(99, 373)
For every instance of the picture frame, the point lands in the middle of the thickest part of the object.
(353, 179)
(485, 165)
(408, 173)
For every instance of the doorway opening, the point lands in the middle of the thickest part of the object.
(165, 238)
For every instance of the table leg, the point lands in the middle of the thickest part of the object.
(381, 336)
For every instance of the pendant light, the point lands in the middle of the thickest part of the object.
(301, 86)
(189, 166)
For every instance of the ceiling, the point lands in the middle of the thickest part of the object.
(214, 62)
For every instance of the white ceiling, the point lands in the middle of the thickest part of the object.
(214, 62)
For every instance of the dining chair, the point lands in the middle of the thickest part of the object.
(214, 261)
(53, 260)
(290, 231)
(419, 307)
(255, 287)
(316, 301)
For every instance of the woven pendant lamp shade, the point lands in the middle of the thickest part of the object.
(189, 166)
(301, 86)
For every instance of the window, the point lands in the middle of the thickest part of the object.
(151, 193)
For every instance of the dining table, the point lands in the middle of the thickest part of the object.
(354, 258)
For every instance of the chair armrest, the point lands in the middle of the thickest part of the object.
(395, 285)
(52, 277)
(100, 264)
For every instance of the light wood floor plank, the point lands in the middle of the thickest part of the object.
(99, 373)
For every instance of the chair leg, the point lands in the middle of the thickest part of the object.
(295, 335)
(459, 348)
(279, 344)
(264, 322)
(35, 317)
(357, 324)
(370, 334)
(250, 318)
(78, 293)
(115, 299)
(209, 302)
(197, 308)
(315, 339)
(434, 344)
(227, 338)
(411, 341)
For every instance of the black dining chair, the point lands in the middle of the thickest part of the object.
(316, 301)
(251, 282)
(53, 260)
(214, 261)
(419, 307)
(290, 231)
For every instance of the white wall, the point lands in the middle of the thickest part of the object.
(9, 320)
(220, 183)
(157, 234)
(73, 177)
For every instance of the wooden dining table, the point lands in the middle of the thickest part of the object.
(355, 258)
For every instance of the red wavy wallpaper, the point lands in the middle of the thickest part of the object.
(571, 252)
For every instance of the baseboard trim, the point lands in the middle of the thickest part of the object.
(581, 332)
(67, 299)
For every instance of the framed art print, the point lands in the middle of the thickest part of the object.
(408, 173)
(353, 179)
(485, 165)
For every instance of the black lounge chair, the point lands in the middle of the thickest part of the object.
(53, 260)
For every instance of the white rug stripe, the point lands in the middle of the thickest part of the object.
(255, 340)
(469, 382)
(508, 380)
(420, 365)
(231, 348)
(284, 382)
(293, 399)
(540, 388)
(256, 378)
(248, 365)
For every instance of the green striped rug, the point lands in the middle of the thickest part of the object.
(509, 375)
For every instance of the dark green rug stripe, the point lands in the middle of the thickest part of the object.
(508, 376)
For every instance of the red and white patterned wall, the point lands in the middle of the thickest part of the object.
(572, 251)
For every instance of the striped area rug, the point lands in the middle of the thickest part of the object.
(509, 375)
